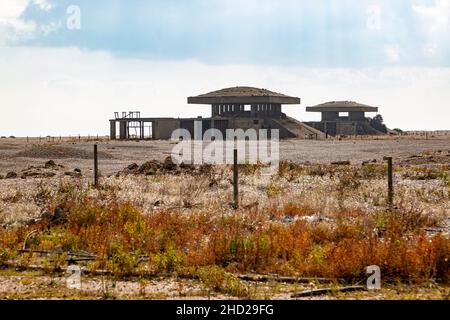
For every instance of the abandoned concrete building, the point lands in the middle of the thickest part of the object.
(343, 118)
(231, 108)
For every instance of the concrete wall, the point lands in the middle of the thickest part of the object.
(357, 116)
(162, 129)
(330, 115)
(346, 128)
(244, 123)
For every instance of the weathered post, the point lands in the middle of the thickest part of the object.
(95, 166)
(27, 139)
(390, 182)
(235, 179)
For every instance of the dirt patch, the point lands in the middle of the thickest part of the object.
(429, 157)
(8, 146)
(58, 152)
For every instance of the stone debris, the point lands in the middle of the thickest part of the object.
(49, 170)
(11, 175)
(34, 174)
(50, 218)
(364, 163)
(428, 157)
(155, 167)
(73, 174)
(50, 164)
(341, 163)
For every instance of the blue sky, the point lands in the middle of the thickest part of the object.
(323, 33)
(150, 55)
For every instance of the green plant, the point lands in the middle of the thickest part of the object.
(216, 279)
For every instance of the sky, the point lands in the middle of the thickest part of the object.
(67, 65)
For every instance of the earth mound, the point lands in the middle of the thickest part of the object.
(167, 166)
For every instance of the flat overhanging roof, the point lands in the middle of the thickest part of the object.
(243, 95)
(342, 106)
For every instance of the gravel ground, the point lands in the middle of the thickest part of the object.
(17, 200)
(17, 154)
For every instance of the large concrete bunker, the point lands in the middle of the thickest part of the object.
(231, 108)
(343, 118)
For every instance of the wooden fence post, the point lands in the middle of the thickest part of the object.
(390, 182)
(235, 180)
(95, 166)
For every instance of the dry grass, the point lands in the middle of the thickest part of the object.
(307, 221)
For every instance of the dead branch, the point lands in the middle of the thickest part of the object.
(322, 291)
(268, 278)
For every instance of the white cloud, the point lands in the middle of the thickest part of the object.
(430, 49)
(436, 25)
(12, 9)
(43, 4)
(69, 91)
(436, 18)
(13, 28)
(392, 52)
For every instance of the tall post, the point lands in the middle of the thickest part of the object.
(390, 182)
(95, 166)
(235, 180)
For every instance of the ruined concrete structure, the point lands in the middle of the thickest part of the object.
(343, 118)
(246, 108)
(231, 108)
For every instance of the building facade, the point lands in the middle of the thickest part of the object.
(343, 118)
(231, 108)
